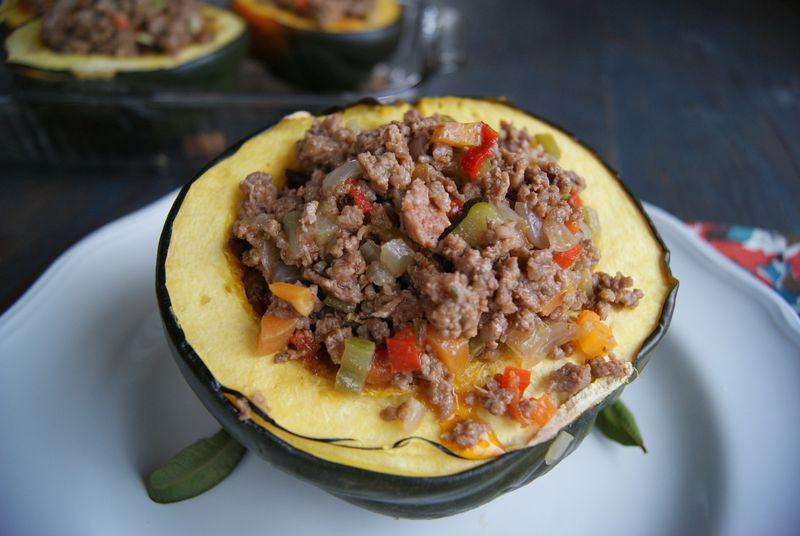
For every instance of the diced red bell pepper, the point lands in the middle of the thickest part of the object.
(380, 373)
(574, 199)
(514, 378)
(404, 356)
(359, 197)
(565, 258)
(488, 135)
(119, 21)
(456, 205)
(303, 341)
(473, 159)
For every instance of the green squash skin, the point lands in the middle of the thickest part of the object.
(326, 61)
(215, 70)
(392, 495)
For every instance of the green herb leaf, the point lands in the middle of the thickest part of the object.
(196, 469)
(618, 424)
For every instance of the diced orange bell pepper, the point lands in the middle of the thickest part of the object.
(274, 334)
(543, 410)
(301, 298)
(594, 338)
(453, 352)
(574, 199)
(573, 227)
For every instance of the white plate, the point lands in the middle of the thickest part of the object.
(90, 401)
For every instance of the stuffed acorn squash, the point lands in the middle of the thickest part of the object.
(422, 319)
(130, 57)
(322, 55)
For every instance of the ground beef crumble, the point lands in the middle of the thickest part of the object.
(466, 433)
(570, 378)
(327, 234)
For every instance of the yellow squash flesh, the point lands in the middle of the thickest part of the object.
(209, 303)
(386, 12)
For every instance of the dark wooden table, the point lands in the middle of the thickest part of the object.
(697, 106)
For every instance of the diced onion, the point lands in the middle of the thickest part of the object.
(559, 236)
(534, 347)
(585, 230)
(370, 251)
(414, 410)
(351, 168)
(396, 255)
(561, 333)
(551, 304)
(324, 228)
(558, 448)
(379, 275)
(534, 230)
(593, 221)
(586, 284)
(285, 273)
(507, 213)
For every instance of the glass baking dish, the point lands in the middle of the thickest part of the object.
(167, 128)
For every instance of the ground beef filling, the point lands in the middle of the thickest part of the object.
(327, 11)
(355, 193)
(124, 27)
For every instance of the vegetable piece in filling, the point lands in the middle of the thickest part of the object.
(411, 255)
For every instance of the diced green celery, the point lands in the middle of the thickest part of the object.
(355, 365)
(475, 346)
(474, 225)
(548, 143)
(339, 305)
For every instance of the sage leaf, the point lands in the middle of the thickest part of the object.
(617, 423)
(196, 469)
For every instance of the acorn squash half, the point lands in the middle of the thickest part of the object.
(200, 65)
(337, 56)
(338, 441)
